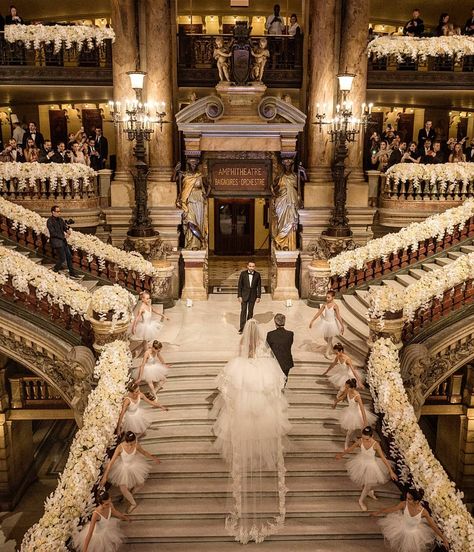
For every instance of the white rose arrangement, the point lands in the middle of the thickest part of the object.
(411, 47)
(407, 238)
(444, 175)
(34, 36)
(112, 299)
(28, 174)
(410, 444)
(73, 495)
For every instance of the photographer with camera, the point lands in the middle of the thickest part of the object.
(59, 231)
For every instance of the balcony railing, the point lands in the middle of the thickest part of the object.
(444, 63)
(197, 67)
(425, 190)
(34, 392)
(44, 190)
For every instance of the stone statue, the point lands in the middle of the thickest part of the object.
(286, 202)
(261, 55)
(222, 55)
(192, 199)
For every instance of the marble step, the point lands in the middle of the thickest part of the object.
(417, 273)
(218, 507)
(356, 347)
(467, 249)
(363, 296)
(393, 283)
(313, 528)
(342, 544)
(443, 261)
(357, 307)
(406, 279)
(357, 326)
(455, 254)
(429, 267)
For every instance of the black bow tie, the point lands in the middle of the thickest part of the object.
(251, 273)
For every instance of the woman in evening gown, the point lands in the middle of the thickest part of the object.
(252, 420)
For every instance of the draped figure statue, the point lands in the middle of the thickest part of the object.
(192, 199)
(286, 202)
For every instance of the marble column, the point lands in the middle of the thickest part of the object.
(353, 58)
(124, 58)
(322, 89)
(159, 86)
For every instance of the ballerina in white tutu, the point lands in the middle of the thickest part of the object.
(252, 420)
(128, 468)
(133, 417)
(153, 368)
(102, 533)
(365, 469)
(342, 369)
(408, 526)
(148, 321)
(355, 416)
(330, 324)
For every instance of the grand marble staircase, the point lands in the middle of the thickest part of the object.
(184, 503)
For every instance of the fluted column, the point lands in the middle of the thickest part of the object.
(353, 58)
(124, 58)
(159, 56)
(322, 71)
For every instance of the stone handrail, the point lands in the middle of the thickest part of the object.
(410, 245)
(27, 391)
(425, 190)
(89, 252)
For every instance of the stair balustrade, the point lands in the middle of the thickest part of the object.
(47, 191)
(410, 190)
(33, 392)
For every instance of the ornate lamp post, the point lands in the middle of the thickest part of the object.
(343, 129)
(138, 121)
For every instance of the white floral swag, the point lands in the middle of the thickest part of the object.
(409, 237)
(411, 47)
(34, 36)
(73, 495)
(57, 174)
(25, 219)
(444, 175)
(400, 423)
(114, 300)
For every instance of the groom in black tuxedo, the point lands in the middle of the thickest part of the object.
(249, 292)
(280, 342)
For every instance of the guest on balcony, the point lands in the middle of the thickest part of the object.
(78, 155)
(47, 153)
(380, 158)
(72, 138)
(18, 130)
(31, 152)
(389, 134)
(470, 152)
(411, 155)
(102, 146)
(12, 153)
(62, 155)
(13, 18)
(294, 28)
(442, 28)
(34, 134)
(397, 154)
(469, 25)
(426, 133)
(93, 154)
(457, 156)
(274, 24)
(415, 27)
(434, 156)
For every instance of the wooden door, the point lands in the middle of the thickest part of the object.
(234, 226)
(405, 126)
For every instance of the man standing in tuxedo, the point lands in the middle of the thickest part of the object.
(249, 292)
(35, 135)
(426, 133)
(280, 342)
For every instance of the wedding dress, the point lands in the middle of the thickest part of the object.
(251, 422)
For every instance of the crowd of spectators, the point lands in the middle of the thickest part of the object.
(416, 27)
(29, 146)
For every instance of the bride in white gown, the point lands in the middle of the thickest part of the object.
(252, 420)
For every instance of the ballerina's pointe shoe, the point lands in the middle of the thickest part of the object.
(133, 506)
(363, 506)
(372, 495)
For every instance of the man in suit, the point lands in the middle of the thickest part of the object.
(94, 155)
(397, 155)
(12, 153)
(35, 135)
(434, 156)
(58, 233)
(47, 153)
(426, 133)
(61, 155)
(470, 152)
(102, 147)
(249, 292)
(414, 27)
(280, 342)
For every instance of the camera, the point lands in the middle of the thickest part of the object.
(70, 221)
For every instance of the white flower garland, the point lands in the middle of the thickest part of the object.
(95, 248)
(409, 237)
(73, 496)
(420, 294)
(390, 398)
(33, 36)
(113, 298)
(58, 174)
(446, 175)
(411, 47)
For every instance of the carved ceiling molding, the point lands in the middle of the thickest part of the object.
(425, 366)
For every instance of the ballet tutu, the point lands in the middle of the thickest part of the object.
(350, 417)
(407, 534)
(148, 328)
(341, 373)
(154, 371)
(367, 469)
(136, 421)
(107, 536)
(326, 328)
(130, 472)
